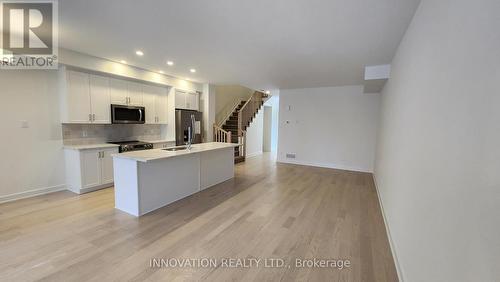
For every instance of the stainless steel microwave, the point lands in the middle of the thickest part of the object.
(127, 114)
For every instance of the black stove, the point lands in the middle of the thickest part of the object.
(127, 146)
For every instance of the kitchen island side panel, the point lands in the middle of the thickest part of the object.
(126, 188)
(165, 181)
(216, 166)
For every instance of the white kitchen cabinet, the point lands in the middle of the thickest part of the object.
(85, 98)
(162, 105)
(125, 92)
(77, 98)
(156, 104)
(186, 100)
(192, 101)
(149, 99)
(119, 91)
(135, 93)
(180, 99)
(100, 99)
(107, 166)
(89, 169)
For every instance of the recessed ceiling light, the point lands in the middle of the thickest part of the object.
(192, 70)
(268, 92)
(123, 61)
(170, 63)
(187, 78)
(162, 72)
(139, 53)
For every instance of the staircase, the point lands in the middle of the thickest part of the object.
(233, 128)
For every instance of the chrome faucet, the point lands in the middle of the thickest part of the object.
(189, 138)
(191, 133)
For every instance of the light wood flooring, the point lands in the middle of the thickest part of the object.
(268, 210)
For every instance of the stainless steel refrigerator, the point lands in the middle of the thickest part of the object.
(183, 121)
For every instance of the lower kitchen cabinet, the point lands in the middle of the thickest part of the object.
(89, 169)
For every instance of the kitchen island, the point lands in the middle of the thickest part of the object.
(150, 179)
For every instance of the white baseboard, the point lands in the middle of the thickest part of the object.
(254, 154)
(92, 189)
(31, 193)
(326, 165)
(388, 231)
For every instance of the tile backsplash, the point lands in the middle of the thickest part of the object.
(80, 134)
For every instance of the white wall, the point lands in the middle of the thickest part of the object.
(329, 127)
(32, 158)
(274, 103)
(267, 129)
(438, 154)
(207, 106)
(225, 97)
(255, 135)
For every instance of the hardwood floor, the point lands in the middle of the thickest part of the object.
(268, 210)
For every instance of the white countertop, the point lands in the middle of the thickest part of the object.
(159, 141)
(157, 154)
(90, 146)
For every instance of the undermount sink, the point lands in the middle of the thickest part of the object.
(173, 149)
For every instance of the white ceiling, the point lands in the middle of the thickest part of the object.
(263, 44)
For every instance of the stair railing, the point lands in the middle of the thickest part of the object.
(249, 109)
(221, 135)
(228, 111)
(245, 116)
(242, 143)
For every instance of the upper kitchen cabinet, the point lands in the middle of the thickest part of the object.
(125, 92)
(76, 105)
(162, 105)
(156, 104)
(100, 99)
(192, 101)
(87, 98)
(186, 100)
(119, 91)
(84, 98)
(135, 93)
(180, 99)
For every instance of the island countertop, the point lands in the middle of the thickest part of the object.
(157, 154)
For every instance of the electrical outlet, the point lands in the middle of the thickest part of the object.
(84, 133)
(290, 156)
